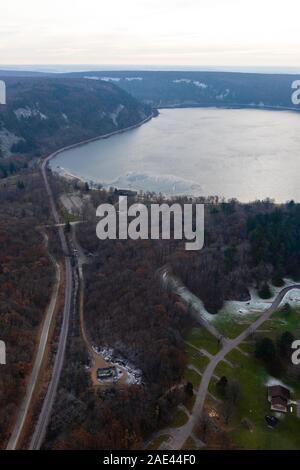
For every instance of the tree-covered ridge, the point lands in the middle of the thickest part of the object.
(44, 114)
(245, 245)
(275, 240)
(26, 280)
(200, 88)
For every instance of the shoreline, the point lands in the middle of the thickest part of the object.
(47, 159)
(229, 106)
(144, 121)
(68, 175)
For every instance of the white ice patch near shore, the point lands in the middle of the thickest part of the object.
(167, 184)
(134, 375)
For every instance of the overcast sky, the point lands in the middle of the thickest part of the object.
(156, 32)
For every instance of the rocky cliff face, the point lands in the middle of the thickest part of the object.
(43, 114)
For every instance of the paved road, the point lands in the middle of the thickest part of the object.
(25, 406)
(180, 435)
(44, 417)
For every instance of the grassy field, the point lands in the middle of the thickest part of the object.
(193, 377)
(68, 217)
(179, 419)
(252, 376)
(281, 322)
(232, 325)
(253, 405)
(202, 339)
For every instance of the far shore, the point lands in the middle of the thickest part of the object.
(256, 107)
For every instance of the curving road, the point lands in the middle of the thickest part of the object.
(178, 436)
(38, 363)
(43, 421)
(45, 414)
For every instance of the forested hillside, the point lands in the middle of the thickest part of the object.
(43, 114)
(26, 280)
(179, 88)
(127, 309)
(245, 245)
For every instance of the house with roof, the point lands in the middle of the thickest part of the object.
(279, 397)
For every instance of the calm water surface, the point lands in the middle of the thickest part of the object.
(247, 154)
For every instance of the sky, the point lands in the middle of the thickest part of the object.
(158, 32)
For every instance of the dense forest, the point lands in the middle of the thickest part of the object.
(26, 278)
(125, 305)
(245, 245)
(127, 309)
(181, 88)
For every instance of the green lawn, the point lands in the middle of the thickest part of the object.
(253, 405)
(230, 325)
(195, 358)
(68, 217)
(247, 347)
(179, 419)
(281, 322)
(212, 387)
(235, 357)
(202, 339)
(193, 377)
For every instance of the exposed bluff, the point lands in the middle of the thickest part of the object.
(43, 114)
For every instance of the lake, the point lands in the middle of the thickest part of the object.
(244, 153)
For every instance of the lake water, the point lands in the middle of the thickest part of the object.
(246, 154)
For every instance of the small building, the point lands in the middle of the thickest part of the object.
(106, 373)
(279, 397)
(125, 192)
